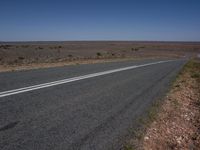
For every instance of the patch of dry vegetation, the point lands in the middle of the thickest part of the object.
(5, 68)
(23, 54)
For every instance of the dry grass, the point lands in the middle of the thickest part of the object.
(41, 54)
(6, 68)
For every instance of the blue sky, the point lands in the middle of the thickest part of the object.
(47, 20)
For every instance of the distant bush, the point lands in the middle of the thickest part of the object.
(135, 49)
(70, 55)
(56, 47)
(5, 46)
(40, 47)
(99, 54)
(21, 58)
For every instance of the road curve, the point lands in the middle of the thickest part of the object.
(89, 113)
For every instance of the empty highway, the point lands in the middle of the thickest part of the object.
(86, 107)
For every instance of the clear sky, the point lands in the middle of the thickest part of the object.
(47, 20)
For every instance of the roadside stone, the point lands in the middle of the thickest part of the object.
(146, 138)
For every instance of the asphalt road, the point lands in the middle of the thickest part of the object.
(92, 113)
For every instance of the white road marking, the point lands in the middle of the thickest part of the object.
(49, 84)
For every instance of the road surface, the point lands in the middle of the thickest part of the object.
(79, 107)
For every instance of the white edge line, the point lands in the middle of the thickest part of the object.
(49, 84)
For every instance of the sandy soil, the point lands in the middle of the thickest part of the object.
(22, 55)
(19, 67)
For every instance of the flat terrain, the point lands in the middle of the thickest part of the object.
(48, 54)
(94, 113)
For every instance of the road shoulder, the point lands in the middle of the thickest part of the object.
(174, 123)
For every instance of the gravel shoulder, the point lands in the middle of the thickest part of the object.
(175, 123)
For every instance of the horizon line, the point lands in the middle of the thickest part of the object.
(174, 41)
